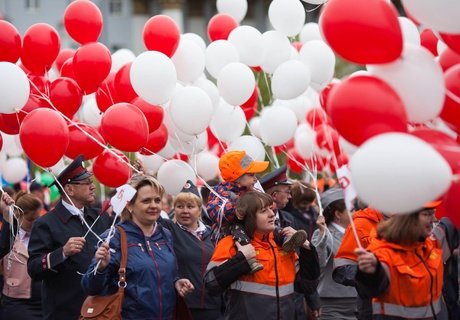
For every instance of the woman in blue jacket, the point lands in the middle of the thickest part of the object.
(151, 272)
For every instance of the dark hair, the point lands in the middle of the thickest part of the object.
(302, 193)
(402, 229)
(329, 211)
(248, 205)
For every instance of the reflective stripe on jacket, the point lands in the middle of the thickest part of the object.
(266, 294)
(416, 278)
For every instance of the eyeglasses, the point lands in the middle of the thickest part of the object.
(83, 183)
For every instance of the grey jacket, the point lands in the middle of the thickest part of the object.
(327, 248)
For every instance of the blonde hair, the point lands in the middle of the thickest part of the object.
(187, 197)
(138, 182)
(404, 229)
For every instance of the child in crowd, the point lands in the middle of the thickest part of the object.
(238, 170)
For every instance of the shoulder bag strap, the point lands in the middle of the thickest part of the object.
(124, 258)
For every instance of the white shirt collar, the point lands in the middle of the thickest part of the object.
(198, 232)
(73, 210)
(338, 227)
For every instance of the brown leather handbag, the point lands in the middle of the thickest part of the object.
(109, 307)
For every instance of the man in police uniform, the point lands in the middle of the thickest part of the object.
(61, 246)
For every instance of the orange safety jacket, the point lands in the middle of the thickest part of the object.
(265, 291)
(366, 222)
(416, 278)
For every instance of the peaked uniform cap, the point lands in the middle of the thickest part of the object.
(275, 178)
(75, 171)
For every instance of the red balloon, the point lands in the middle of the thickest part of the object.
(83, 21)
(157, 140)
(111, 170)
(31, 104)
(250, 106)
(41, 129)
(362, 31)
(448, 59)
(63, 56)
(429, 40)
(162, 34)
(452, 41)
(1, 142)
(220, 26)
(10, 42)
(316, 117)
(295, 162)
(153, 114)
(451, 202)
(81, 141)
(284, 147)
(9, 123)
(123, 85)
(324, 95)
(124, 126)
(327, 138)
(443, 143)
(39, 86)
(358, 117)
(40, 48)
(67, 69)
(91, 65)
(106, 94)
(66, 96)
(297, 45)
(451, 110)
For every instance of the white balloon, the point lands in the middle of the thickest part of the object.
(441, 46)
(173, 130)
(188, 60)
(299, 106)
(236, 83)
(310, 31)
(321, 59)
(173, 175)
(315, 1)
(287, 16)
(290, 80)
(14, 87)
(153, 77)
(168, 151)
(91, 113)
(418, 80)
(59, 166)
(389, 172)
(440, 15)
(277, 125)
(235, 8)
(195, 38)
(151, 163)
(15, 170)
(228, 122)
(120, 58)
(207, 165)
(252, 145)
(347, 147)
(248, 42)
(191, 110)
(211, 90)
(254, 126)
(218, 54)
(305, 141)
(409, 31)
(11, 145)
(194, 146)
(276, 50)
(2, 161)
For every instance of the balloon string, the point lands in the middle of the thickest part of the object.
(275, 158)
(314, 9)
(270, 93)
(43, 96)
(453, 96)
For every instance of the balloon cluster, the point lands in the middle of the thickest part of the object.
(181, 100)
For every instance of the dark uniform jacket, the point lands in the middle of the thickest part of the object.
(62, 295)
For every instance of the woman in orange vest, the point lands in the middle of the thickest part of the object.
(404, 270)
(268, 293)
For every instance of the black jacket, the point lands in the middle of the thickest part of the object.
(62, 295)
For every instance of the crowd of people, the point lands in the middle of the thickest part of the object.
(254, 246)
